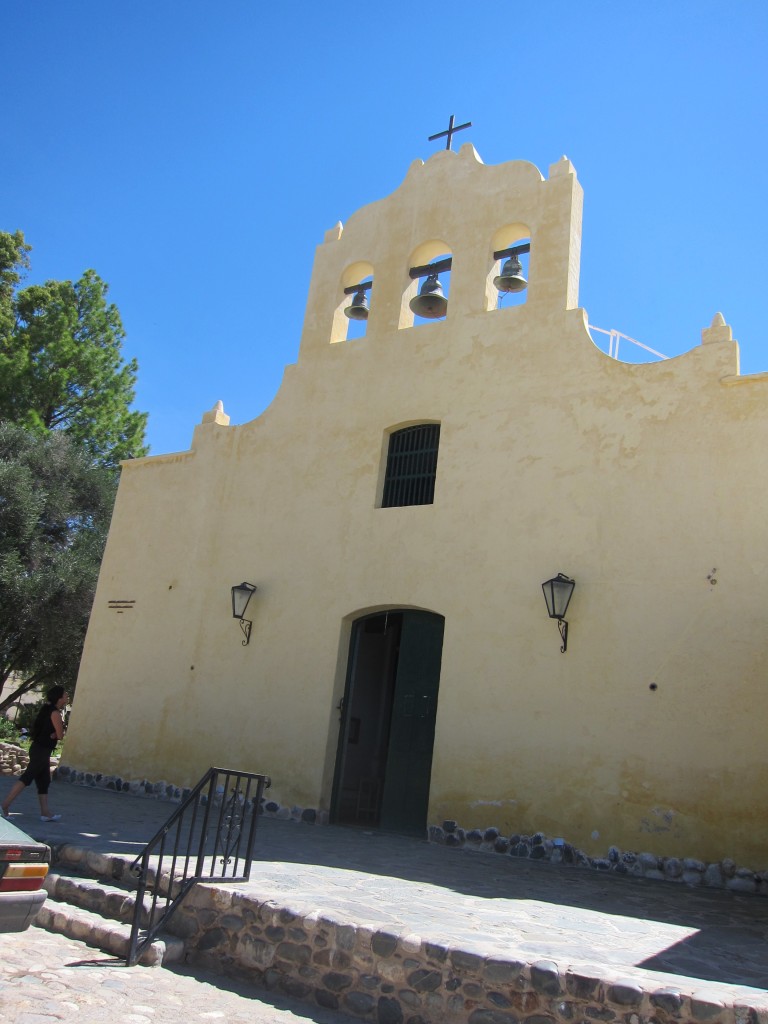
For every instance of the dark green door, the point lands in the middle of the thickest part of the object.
(412, 729)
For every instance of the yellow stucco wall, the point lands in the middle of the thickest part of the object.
(644, 483)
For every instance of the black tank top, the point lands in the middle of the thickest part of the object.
(43, 732)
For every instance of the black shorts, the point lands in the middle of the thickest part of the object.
(39, 768)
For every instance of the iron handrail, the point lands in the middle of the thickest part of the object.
(614, 337)
(225, 797)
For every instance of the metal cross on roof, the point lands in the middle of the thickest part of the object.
(450, 132)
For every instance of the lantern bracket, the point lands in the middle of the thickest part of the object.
(562, 625)
(245, 625)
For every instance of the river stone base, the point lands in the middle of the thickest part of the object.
(405, 979)
(724, 874)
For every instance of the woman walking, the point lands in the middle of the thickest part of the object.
(46, 733)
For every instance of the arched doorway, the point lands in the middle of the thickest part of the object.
(387, 728)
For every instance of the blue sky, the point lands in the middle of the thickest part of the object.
(195, 153)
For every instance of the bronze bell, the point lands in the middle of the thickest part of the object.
(511, 277)
(358, 307)
(430, 303)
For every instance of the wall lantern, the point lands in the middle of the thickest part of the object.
(241, 595)
(557, 594)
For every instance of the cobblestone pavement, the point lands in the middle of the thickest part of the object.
(658, 933)
(49, 979)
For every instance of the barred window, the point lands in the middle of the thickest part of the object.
(411, 466)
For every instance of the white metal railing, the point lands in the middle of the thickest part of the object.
(614, 337)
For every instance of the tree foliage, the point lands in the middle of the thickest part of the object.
(65, 423)
(55, 504)
(61, 366)
(14, 261)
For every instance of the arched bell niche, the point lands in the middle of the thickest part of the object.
(507, 284)
(419, 283)
(350, 317)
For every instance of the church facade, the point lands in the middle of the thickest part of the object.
(398, 507)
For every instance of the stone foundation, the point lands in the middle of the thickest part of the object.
(168, 791)
(405, 979)
(724, 874)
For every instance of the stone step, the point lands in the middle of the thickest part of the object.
(110, 936)
(92, 898)
(108, 899)
(115, 868)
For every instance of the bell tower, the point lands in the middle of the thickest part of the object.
(452, 216)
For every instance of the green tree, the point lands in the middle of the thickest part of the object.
(14, 261)
(55, 505)
(65, 423)
(61, 366)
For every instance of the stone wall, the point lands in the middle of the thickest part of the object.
(14, 759)
(724, 874)
(391, 978)
(404, 979)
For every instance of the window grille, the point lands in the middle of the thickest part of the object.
(411, 466)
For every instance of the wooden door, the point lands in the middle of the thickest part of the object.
(412, 732)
